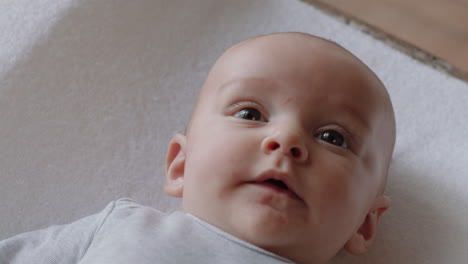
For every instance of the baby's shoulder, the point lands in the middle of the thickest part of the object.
(127, 207)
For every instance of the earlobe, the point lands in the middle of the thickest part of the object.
(175, 166)
(361, 241)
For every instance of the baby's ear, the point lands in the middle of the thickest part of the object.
(361, 241)
(175, 165)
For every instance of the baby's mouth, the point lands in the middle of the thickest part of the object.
(277, 182)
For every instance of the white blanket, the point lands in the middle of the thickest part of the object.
(92, 91)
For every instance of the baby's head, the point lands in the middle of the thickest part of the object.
(288, 148)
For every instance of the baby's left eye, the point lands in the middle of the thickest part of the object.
(333, 137)
(250, 113)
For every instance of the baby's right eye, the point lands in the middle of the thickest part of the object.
(250, 113)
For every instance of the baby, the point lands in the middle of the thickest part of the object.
(285, 159)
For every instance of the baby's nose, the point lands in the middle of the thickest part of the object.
(286, 142)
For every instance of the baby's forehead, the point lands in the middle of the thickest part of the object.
(315, 65)
(288, 53)
(322, 65)
(284, 44)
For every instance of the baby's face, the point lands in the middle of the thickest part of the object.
(285, 147)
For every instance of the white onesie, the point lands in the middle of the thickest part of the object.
(126, 232)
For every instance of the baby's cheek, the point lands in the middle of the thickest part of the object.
(333, 186)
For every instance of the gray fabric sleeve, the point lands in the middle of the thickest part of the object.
(55, 244)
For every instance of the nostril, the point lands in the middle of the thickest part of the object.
(273, 145)
(295, 152)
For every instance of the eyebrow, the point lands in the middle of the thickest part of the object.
(354, 114)
(255, 81)
(242, 82)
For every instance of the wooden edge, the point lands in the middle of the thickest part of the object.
(392, 41)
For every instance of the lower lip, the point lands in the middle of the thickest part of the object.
(276, 189)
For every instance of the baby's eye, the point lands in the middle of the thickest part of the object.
(333, 137)
(250, 114)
